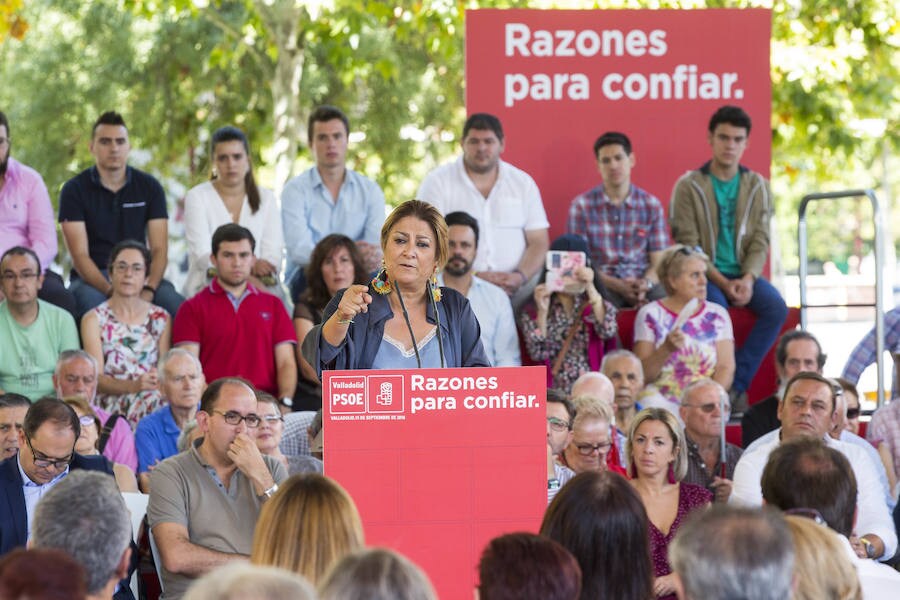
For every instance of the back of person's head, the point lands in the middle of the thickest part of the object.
(524, 566)
(730, 553)
(50, 410)
(731, 115)
(807, 473)
(323, 114)
(41, 574)
(612, 138)
(483, 122)
(242, 581)
(308, 525)
(376, 574)
(600, 519)
(85, 515)
(231, 232)
(110, 117)
(822, 567)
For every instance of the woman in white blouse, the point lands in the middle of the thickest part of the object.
(232, 196)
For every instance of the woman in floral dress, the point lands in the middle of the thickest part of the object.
(127, 335)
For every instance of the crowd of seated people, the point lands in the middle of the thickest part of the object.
(635, 439)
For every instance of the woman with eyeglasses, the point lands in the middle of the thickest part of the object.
(591, 438)
(682, 337)
(127, 335)
(656, 454)
(269, 432)
(86, 444)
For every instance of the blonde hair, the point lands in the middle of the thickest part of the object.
(423, 211)
(679, 468)
(308, 525)
(822, 568)
(672, 263)
(587, 407)
(240, 581)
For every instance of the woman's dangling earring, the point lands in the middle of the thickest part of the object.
(435, 290)
(381, 284)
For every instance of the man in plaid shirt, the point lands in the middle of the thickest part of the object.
(624, 226)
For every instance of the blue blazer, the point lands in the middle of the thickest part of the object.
(13, 517)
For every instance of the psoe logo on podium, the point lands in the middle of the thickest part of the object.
(348, 394)
(385, 394)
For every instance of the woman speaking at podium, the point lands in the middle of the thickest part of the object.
(401, 319)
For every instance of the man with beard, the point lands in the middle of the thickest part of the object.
(26, 219)
(490, 302)
(235, 329)
(504, 200)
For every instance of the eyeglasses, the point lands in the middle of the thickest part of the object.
(853, 413)
(588, 449)
(24, 276)
(124, 266)
(558, 424)
(45, 462)
(86, 421)
(234, 418)
(710, 407)
(808, 513)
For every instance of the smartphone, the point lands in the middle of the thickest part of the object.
(561, 266)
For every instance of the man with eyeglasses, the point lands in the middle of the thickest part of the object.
(702, 414)
(33, 332)
(156, 436)
(26, 219)
(560, 412)
(807, 410)
(107, 203)
(204, 503)
(46, 455)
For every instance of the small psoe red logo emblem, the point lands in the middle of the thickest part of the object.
(385, 394)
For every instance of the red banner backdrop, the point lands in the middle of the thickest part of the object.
(559, 78)
(439, 461)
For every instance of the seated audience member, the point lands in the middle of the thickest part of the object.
(156, 436)
(808, 478)
(76, 375)
(106, 204)
(12, 413)
(316, 437)
(727, 553)
(591, 438)
(329, 198)
(335, 264)
(851, 398)
(704, 409)
(624, 226)
(232, 196)
(504, 200)
(657, 463)
(600, 519)
(864, 354)
(822, 568)
(204, 503)
(560, 413)
(27, 220)
(626, 373)
(307, 527)
(568, 329)
(127, 335)
(46, 455)
(86, 517)
(296, 437)
(34, 332)
(268, 437)
(797, 350)
(237, 581)
(86, 444)
(676, 349)
(376, 574)
(598, 386)
(489, 302)
(807, 410)
(884, 433)
(724, 208)
(524, 566)
(230, 313)
(41, 574)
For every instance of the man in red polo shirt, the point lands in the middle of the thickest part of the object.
(234, 328)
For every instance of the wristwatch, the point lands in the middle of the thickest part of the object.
(287, 401)
(869, 546)
(271, 491)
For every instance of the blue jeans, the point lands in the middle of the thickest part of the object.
(87, 296)
(771, 311)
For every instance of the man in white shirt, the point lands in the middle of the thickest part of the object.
(807, 410)
(503, 199)
(490, 302)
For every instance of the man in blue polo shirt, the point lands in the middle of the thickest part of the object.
(107, 203)
(156, 435)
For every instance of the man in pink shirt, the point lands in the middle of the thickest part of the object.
(26, 219)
